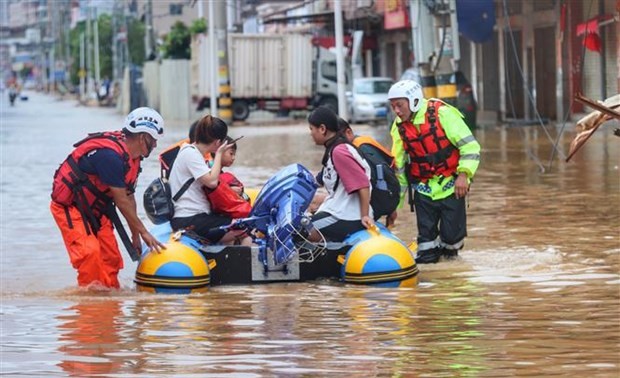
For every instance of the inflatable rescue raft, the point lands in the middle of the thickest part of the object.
(279, 224)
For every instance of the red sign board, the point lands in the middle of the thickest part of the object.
(396, 15)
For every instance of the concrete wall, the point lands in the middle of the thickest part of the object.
(124, 101)
(174, 98)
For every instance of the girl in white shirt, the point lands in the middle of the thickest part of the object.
(345, 176)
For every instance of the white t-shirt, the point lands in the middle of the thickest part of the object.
(339, 203)
(189, 163)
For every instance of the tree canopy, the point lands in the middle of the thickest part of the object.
(134, 40)
(177, 44)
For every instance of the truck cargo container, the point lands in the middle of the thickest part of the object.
(271, 72)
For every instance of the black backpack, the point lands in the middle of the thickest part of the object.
(158, 200)
(168, 156)
(385, 194)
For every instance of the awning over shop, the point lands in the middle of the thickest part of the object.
(316, 17)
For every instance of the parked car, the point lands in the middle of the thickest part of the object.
(368, 100)
(465, 100)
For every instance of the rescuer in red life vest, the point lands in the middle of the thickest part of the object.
(436, 157)
(96, 178)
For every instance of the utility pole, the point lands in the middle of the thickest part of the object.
(213, 50)
(115, 41)
(88, 49)
(423, 38)
(434, 29)
(52, 65)
(230, 15)
(97, 69)
(41, 77)
(224, 98)
(127, 57)
(51, 59)
(67, 24)
(342, 101)
(82, 72)
(148, 34)
(603, 59)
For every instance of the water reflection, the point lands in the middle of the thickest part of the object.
(89, 337)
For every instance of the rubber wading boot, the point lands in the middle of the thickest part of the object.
(429, 256)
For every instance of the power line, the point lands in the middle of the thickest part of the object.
(527, 90)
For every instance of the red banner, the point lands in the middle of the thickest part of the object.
(592, 39)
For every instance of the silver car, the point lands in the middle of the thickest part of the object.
(368, 101)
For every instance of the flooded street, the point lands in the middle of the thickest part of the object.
(535, 292)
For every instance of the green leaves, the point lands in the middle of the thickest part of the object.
(107, 36)
(198, 26)
(177, 42)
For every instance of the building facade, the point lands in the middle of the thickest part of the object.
(537, 58)
(539, 54)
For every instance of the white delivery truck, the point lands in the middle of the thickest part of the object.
(273, 72)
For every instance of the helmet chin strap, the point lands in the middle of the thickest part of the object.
(151, 148)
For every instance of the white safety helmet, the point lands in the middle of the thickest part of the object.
(145, 120)
(410, 90)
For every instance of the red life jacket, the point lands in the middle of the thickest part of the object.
(430, 151)
(224, 200)
(73, 187)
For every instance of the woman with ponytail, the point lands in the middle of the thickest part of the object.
(346, 178)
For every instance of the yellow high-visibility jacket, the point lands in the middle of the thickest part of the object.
(457, 132)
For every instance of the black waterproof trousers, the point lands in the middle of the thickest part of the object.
(442, 226)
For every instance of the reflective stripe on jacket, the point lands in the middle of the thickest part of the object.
(457, 133)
